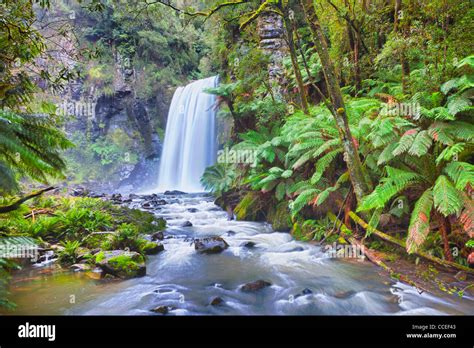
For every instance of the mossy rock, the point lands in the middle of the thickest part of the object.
(280, 217)
(300, 232)
(122, 264)
(249, 207)
(152, 248)
(146, 222)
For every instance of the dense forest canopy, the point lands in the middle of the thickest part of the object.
(358, 114)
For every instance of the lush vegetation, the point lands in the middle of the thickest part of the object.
(379, 121)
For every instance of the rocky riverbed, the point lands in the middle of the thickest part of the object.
(209, 264)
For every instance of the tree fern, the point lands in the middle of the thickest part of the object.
(419, 227)
(446, 198)
(467, 215)
(30, 145)
(462, 174)
(302, 200)
(421, 144)
(323, 163)
(406, 141)
(396, 181)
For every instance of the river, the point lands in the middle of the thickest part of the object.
(305, 279)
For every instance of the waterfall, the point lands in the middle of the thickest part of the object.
(190, 138)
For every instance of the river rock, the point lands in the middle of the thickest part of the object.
(152, 248)
(248, 245)
(174, 192)
(81, 267)
(187, 224)
(82, 253)
(344, 294)
(305, 291)
(147, 205)
(192, 210)
(217, 301)
(255, 286)
(121, 263)
(231, 233)
(211, 245)
(161, 309)
(157, 236)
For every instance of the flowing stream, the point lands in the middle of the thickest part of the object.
(305, 280)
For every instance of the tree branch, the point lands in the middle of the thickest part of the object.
(16, 205)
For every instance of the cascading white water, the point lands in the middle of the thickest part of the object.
(190, 139)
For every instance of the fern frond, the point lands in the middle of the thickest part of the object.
(406, 141)
(419, 222)
(446, 198)
(462, 174)
(421, 144)
(323, 163)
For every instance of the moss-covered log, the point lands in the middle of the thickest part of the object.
(395, 241)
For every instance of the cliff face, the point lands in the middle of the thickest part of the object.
(125, 117)
(272, 42)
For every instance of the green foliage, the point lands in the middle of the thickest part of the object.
(68, 255)
(125, 237)
(31, 146)
(6, 266)
(218, 178)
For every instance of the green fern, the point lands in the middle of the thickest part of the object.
(419, 227)
(446, 198)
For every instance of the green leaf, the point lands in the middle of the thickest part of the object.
(446, 198)
(405, 142)
(287, 174)
(419, 222)
(462, 174)
(280, 191)
(421, 144)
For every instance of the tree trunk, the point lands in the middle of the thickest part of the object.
(351, 155)
(444, 231)
(403, 30)
(294, 62)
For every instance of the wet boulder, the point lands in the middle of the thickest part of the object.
(211, 245)
(153, 248)
(248, 245)
(305, 292)
(161, 309)
(217, 301)
(174, 192)
(157, 236)
(121, 263)
(255, 286)
(187, 224)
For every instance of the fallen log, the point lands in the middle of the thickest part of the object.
(371, 255)
(395, 241)
(19, 202)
